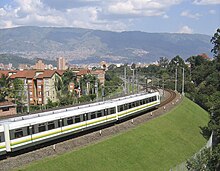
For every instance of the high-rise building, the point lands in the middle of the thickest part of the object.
(39, 65)
(61, 63)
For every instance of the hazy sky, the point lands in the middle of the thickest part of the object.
(179, 16)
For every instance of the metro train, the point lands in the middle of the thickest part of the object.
(21, 132)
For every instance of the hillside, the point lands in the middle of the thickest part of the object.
(86, 46)
(15, 60)
(159, 144)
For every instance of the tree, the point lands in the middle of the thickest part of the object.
(5, 91)
(163, 62)
(206, 75)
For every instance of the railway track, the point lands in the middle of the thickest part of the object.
(171, 97)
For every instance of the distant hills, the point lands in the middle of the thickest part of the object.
(89, 46)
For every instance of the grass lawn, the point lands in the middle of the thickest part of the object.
(159, 144)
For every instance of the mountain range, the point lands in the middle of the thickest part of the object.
(79, 45)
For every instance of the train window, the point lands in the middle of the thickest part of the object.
(28, 131)
(69, 121)
(41, 127)
(18, 133)
(77, 119)
(99, 113)
(2, 138)
(93, 116)
(141, 102)
(60, 122)
(51, 125)
(137, 103)
(85, 117)
(133, 104)
(32, 129)
(120, 108)
(112, 110)
(130, 105)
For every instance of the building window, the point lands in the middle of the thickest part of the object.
(40, 93)
(5, 109)
(29, 81)
(47, 93)
(39, 86)
(40, 99)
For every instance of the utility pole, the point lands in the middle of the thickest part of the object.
(28, 98)
(137, 81)
(146, 85)
(176, 80)
(125, 84)
(96, 90)
(183, 84)
(133, 82)
(103, 93)
(163, 86)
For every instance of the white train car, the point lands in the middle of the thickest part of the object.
(21, 132)
(2, 140)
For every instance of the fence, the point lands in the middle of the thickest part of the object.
(182, 166)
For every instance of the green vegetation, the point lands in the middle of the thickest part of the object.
(157, 145)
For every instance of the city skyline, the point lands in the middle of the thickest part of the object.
(172, 16)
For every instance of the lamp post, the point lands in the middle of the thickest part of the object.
(176, 74)
(125, 84)
(183, 83)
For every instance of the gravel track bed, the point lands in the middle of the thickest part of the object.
(85, 140)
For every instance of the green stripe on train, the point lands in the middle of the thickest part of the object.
(1, 147)
(78, 126)
(128, 112)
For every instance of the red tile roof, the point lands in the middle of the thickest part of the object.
(47, 74)
(83, 72)
(60, 72)
(24, 74)
(3, 72)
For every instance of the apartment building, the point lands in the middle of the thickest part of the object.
(40, 85)
(45, 86)
(100, 74)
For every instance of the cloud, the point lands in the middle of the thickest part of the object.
(206, 2)
(115, 15)
(141, 7)
(190, 15)
(165, 16)
(185, 29)
(212, 11)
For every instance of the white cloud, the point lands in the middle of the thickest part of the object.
(165, 16)
(141, 7)
(206, 2)
(212, 11)
(190, 15)
(185, 29)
